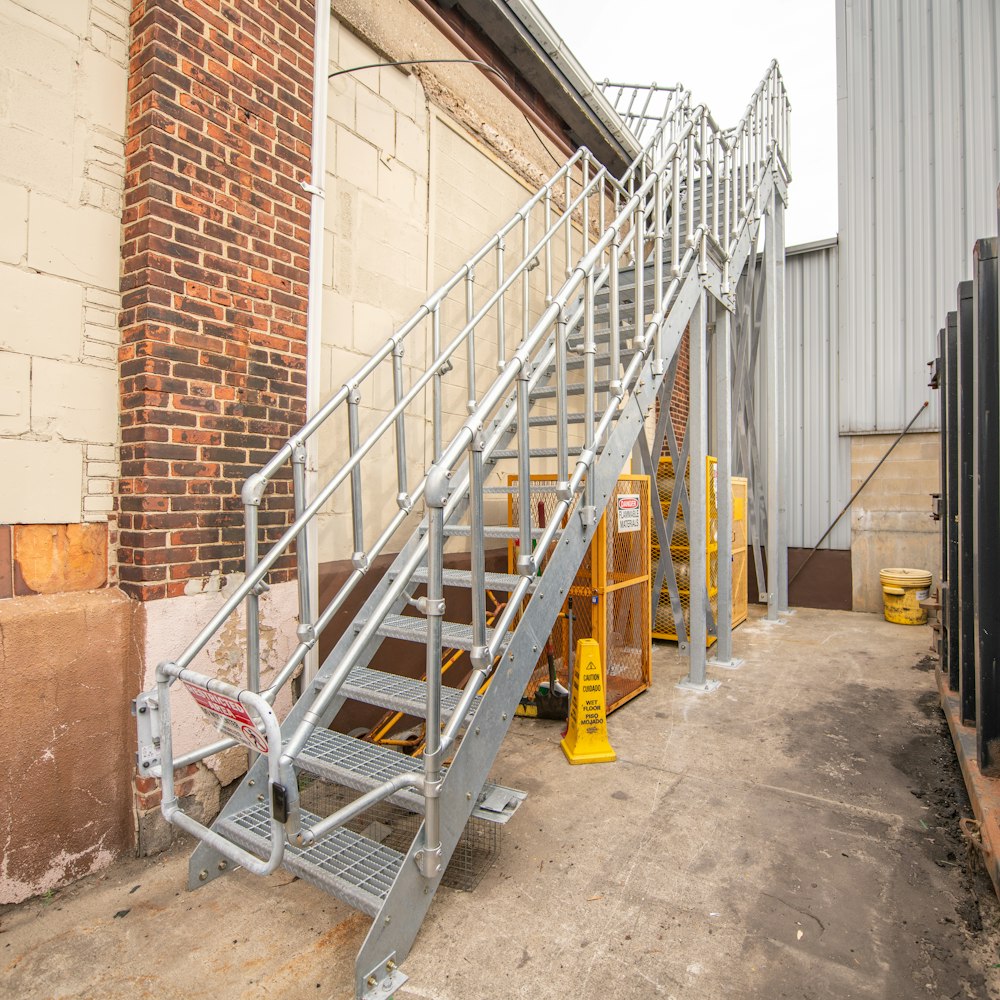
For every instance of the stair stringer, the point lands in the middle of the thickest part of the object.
(396, 926)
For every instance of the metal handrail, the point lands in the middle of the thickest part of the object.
(651, 201)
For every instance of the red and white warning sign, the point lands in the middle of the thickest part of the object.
(229, 717)
(628, 512)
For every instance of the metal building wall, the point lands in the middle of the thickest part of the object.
(820, 457)
(919, 163)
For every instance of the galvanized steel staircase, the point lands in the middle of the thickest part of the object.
(588, 367)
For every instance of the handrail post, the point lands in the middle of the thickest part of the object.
(436, 390)
(470, 340)
(525, 278)
(402, 492)
(703, 184)
(354, 443)
(548, 246)
(658, 237)
(589, 350)
(639, 272)
(689, 229)
(614, 325)
(477, 485)
(429, 857)
(301, 544)
(562, 406)
(251, 510)
(675, 212)
(525, 562)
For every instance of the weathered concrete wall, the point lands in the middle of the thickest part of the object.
(167, 626)
(69, 664)
(890, 522)
(62, 123)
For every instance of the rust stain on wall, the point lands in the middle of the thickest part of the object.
(59, 558)
(66, 746)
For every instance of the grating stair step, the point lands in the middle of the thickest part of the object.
(499, 456)
(362, 766)
(549, 391)
(401, 694)
(490, 531)
(550, 419)
(505, 582)
(347, 865)
(602, 360)
(544, 486)
(454, 635)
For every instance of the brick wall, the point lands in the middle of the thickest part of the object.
(680, 399)
(215, 271)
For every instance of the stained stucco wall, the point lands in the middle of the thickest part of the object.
(890, 521)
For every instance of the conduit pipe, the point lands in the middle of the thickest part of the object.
(314, 314)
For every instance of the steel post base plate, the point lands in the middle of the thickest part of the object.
(734, 664)
(698, 687)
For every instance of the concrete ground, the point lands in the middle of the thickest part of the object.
(795, 834)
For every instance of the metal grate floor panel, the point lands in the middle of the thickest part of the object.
(490, 531)
(345, 864)
(576, 389)
(401, 694)
(454, 635)
(533, 452)
(463, 578)
(351, 763)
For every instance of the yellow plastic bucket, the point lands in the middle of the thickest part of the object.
(902, 592)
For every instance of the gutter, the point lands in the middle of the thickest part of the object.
(544, 59)
(592, 98)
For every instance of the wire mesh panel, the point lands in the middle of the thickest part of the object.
(739, 549)
(608, 599)
(664, 623)
(395, 827)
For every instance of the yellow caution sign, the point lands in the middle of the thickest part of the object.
(586, 739)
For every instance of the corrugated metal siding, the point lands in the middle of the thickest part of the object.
(919, 152)
(820, 457)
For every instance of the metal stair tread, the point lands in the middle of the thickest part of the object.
(454, 635)
(577, 389)
(362, 766)
(393, 691)
(463, 578)
(490, 531)
(533, 452)
(346, 864)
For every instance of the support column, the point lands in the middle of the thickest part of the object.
(774, 335)
(697, 521)
(722, 351)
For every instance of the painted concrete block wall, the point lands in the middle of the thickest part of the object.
(411, 194)
(62, 122)
(890, 522)
(375, 267)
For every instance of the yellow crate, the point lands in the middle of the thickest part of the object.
(740, 555)
(609, 593)
(664, 626)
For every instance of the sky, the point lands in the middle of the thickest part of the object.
(719, 49)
